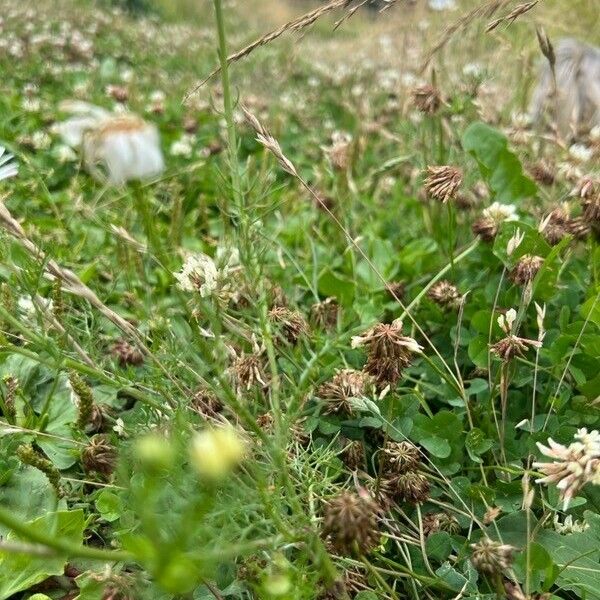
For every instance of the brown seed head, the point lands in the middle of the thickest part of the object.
(206, 403)
(411, 486)
(512, 345)
(445, 294)
(526, 269)
(426, 99)
(443, 183)
(542, 173)
(290, 323)
(351, 523)
(99, 456)
(491, 557)
(324, 314)
(398, 457)
(342, 388)
(486, 228)
(248, 371)
(127, 354)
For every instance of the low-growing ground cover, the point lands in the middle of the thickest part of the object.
(341, 340)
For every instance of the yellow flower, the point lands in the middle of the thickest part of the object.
(215, 452)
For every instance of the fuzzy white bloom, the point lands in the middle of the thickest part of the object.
(215, 452)
(581, 152)
(64, 153)
(182, 147)
(515, 241)
(115, 148)
(472, 69)
(501, 212)
(573, 466)
(569, 525)
(8, 167)
(199, 273)
(595, 134)
(40, 140)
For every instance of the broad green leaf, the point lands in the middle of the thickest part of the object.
(499, 166)
(19, 572)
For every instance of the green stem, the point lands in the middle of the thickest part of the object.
(228, 108)
(60, 546)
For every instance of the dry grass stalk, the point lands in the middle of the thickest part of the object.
(70, 282)
(512, 16)
(486, 11)
(296, 24)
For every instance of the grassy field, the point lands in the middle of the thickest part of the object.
(322, 324)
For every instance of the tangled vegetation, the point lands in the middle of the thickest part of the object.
(323, 325)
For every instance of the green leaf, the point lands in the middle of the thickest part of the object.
(436, 446)
(476, 444)
(19, 572)
(498, 165)
(439, 545)
(109, 505)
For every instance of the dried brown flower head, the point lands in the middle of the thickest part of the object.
(512, 345)
(248, 371)
(526, 269)
(389, 352)
(290, 323)
(579, 228)
(427, 99)
(440, 521)
(443, 182)
(411, 486)
(542, 173)
(324, 314)
(397, 290)
(486, 228)
(346, 385)
(353, 454)
(206, 403)
(398, 457)
(266, 422)
(555, 226)
(445, 294)
(127, 354)
(339, 151)
(491, 557)
(591, 209)
(99, 456)
(351, 523)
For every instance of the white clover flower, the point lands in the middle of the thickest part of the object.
(501, 212)
(64, 153)
(8, 168)
(40, 140)
(573, 466)
(569, 525)
(182, 147)
(199, 273)
(581, 152)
